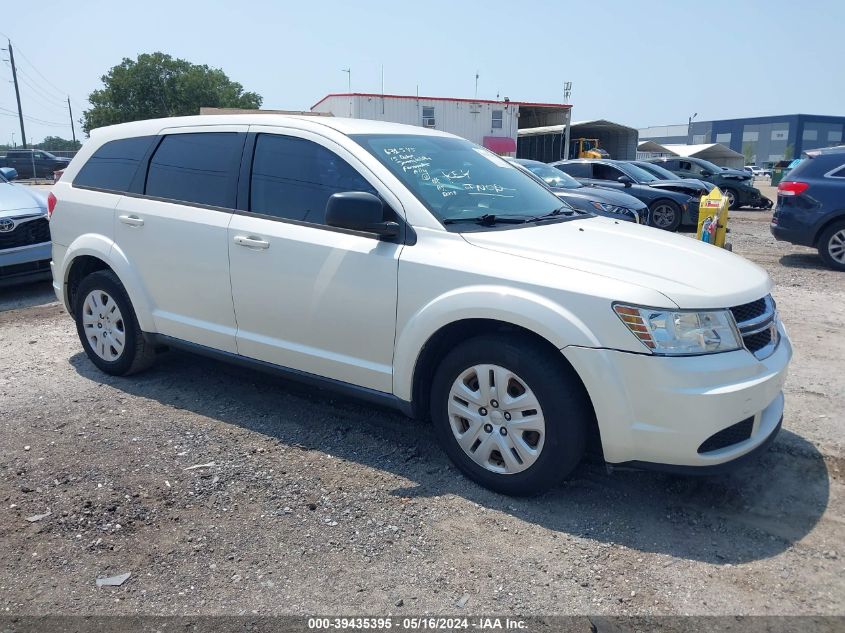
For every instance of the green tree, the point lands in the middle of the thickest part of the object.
(788, 152)
(748, 152)
(57, 144)
(157, 85)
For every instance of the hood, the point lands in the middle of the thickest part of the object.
(689, 187)
(736, 174)
(688, 272)
(16, 198)
(600, 194)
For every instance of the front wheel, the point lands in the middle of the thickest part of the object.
(832, 246)
(732, 197)
(107, 327)
(665, 214)
(510, 414)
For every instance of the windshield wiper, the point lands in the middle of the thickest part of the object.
(488, 219)
(565, 211)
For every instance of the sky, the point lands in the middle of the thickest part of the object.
(640, 63)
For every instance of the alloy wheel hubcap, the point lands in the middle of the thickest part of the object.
(496, 419)
(663, 215)
(731, 197)
(836, 246)
(103, 325)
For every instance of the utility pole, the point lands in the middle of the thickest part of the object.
(70, 112)
(476, 84)
(17, 92)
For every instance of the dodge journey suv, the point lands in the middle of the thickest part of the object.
(417, 270)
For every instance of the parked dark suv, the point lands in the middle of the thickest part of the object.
(33, 163)
(810, 210)
(735, 184)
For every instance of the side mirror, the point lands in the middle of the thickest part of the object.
(706, 173)
(625, 180)
(9, 173)
(359, 211)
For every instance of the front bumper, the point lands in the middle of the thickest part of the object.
(660, 410)
(24, 264)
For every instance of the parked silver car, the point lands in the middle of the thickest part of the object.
(24, 232)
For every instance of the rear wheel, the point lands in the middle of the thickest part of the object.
(509, 414)
(832, 246)
(665, 214)
(107, 327)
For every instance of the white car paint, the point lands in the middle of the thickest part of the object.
(359, 310)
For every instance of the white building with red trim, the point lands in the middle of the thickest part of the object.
(493, 124)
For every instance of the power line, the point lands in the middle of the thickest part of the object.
(31, 65)
(26, 78)
(34, 119)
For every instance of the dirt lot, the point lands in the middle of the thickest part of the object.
(227, 491)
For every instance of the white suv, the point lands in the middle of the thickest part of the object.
(415, 269)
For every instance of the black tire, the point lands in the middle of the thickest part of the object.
(831, 238)
(137, 353)
(733, 197)
(664, 214)
(562, 398)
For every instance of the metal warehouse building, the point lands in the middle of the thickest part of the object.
(550, 142)
(766, 139)
(493, 124)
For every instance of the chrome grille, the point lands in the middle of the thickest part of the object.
(757, 324)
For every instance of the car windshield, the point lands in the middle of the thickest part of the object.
(660, 172)
(637, 173)
(457, 180)
(552, 176)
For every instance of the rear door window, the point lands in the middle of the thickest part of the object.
(606, 172)
(293, 178)
(114, 164)
(577, 170)
(197, 167)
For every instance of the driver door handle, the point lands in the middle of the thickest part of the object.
(252, 242)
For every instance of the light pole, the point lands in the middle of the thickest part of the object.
(689, 125)
(348, 72)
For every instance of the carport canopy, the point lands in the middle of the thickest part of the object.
(620, 141)
(714, 152)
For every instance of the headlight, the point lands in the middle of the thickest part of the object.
(676, 333)
(610, 208)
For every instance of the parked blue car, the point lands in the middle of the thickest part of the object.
(25, 248)
(810, 209)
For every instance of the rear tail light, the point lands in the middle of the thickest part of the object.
(792, 188)
(51, 204)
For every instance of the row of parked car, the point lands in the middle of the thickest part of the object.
(661, 192)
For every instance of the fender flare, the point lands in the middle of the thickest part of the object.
(94, 245)
(522, 308)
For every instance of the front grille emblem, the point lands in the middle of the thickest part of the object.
(7, 225)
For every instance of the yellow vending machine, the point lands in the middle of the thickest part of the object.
(713, 219)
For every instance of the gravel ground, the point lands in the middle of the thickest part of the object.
(225, 491)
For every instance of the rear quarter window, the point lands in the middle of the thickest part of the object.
(114, 164)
